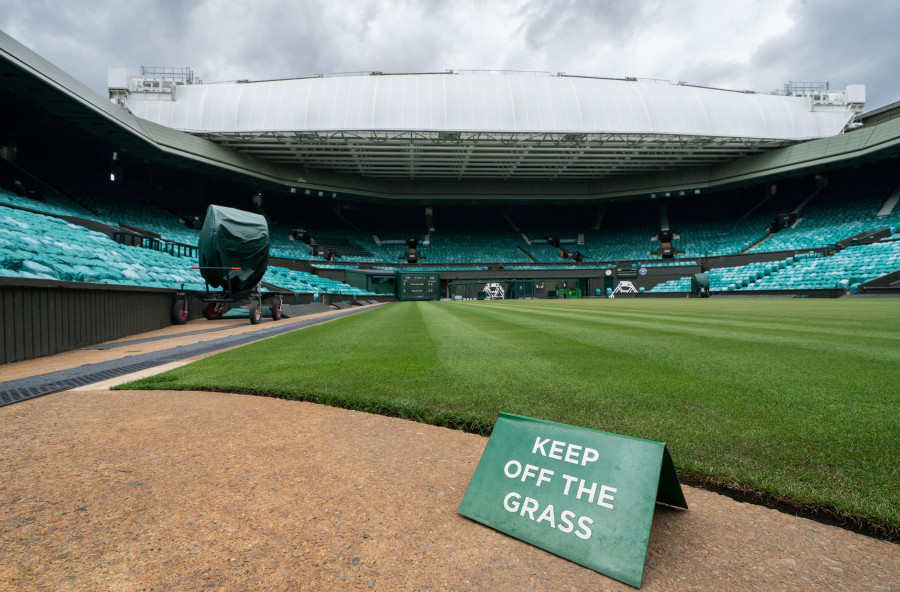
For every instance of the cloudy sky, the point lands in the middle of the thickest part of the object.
(736, 44)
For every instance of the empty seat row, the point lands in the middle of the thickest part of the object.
(45, 247)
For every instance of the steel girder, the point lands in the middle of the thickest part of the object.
(460, 155)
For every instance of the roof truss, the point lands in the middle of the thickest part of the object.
(460, 155)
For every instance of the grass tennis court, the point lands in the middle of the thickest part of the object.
(797, 401)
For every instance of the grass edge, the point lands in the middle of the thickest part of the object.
(734, 489)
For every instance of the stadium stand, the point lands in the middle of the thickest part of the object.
(844, 208)
(435, 268)
(49, 205)
(544, 267)
(844, 270)
(678, 263)
(682, 284)
(46, 247)
(624, 234)
(474, 236)
(464, 244)
(480, 237)
(300, 281)
(37, 246)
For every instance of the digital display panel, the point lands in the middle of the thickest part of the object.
(412, 285)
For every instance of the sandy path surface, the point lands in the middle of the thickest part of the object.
(142, 490)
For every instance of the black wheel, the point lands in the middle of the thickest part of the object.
(179, 311)
(255, 312)
(213, 310)
(276, 310)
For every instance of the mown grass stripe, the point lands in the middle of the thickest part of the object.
(789, 325)
(882, 344)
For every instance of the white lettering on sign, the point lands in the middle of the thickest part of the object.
(514, 468)
(585, 491)
(548, 516)
(572, 451)
(529, 471)
(603, 495)
(590, 490)
(529, 506)
(514, 503)
(566, 519)
(539, 445)
(542, 476)
(556, 450)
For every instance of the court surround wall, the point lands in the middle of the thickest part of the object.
(42, 318)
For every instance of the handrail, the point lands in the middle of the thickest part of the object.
(173, 248)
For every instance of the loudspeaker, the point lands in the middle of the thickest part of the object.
(299, 234)
(786, 220)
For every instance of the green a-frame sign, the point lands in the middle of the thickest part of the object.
(585, 495)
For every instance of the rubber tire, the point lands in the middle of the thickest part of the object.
(213, 310)
(276, 310)
(255, 312)
(179, 311)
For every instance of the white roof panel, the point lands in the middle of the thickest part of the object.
(487, 103)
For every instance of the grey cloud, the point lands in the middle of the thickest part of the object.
(258, 39)
(842, 43)
(278, 40)
(567, 23)
(712, 73)
(85, 38)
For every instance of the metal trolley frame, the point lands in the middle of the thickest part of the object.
(217, 303)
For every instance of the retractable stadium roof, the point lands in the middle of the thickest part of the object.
(518, 165)
(495, 125)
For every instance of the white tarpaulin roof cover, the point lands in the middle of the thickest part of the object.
(489, 103)
(496, 125)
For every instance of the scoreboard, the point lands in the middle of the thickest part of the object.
(418, 285)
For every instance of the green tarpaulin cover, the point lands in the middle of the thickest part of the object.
(698, 281)
(233, 238)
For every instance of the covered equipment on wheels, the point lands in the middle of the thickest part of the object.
(233, 258)
(232, 238)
